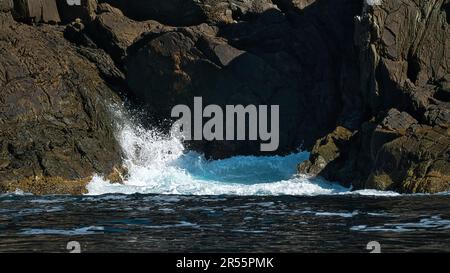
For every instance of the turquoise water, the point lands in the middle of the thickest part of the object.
(159, 164)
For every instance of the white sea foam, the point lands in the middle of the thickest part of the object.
(433, 222)
(159, 164)
(374, 2)
(66, 232)
(374, 192)
(17, 192)
(339, 214)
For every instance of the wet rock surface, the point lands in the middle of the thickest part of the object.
(404, 61)
(415, 162)
(364, 87)
(55, 126)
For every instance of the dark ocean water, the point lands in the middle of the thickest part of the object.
(175, 223)
(174, 200)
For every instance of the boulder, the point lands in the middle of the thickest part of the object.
(419, 161)
(327, 150)
(391, 127)
(56, 130)
(38, 11)
(114, 32)
(396, 154)
(75, 32)
(105, 7)
(106, 67)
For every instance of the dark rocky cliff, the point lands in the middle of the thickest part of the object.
(55, 128)
(303, 60)
(404, 142)
(366, 88)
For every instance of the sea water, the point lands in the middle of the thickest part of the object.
(176, 200)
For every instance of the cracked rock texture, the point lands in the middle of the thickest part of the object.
(404, 144)
(55, 128)
(365, 87)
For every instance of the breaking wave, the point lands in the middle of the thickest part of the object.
(159, 164)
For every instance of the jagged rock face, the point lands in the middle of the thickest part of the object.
(274, 59)
(327, 152)
(404, 65)
(403, 48)
(114, 32)
(191, 12)
(372, 89)
(170, 68)
(55, 128)
(415, 162)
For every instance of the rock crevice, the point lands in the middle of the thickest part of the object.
(365, 87)
(404, 144)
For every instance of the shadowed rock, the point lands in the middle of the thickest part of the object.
(366, 87)
(295, 4)
(115, 33)
(404, 64)
(86, 11)
(191, 12)
(272, 59)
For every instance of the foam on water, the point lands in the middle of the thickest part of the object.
(69, 232)
(433, 222)
(159, 164)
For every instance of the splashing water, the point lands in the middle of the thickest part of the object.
(159, 164)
